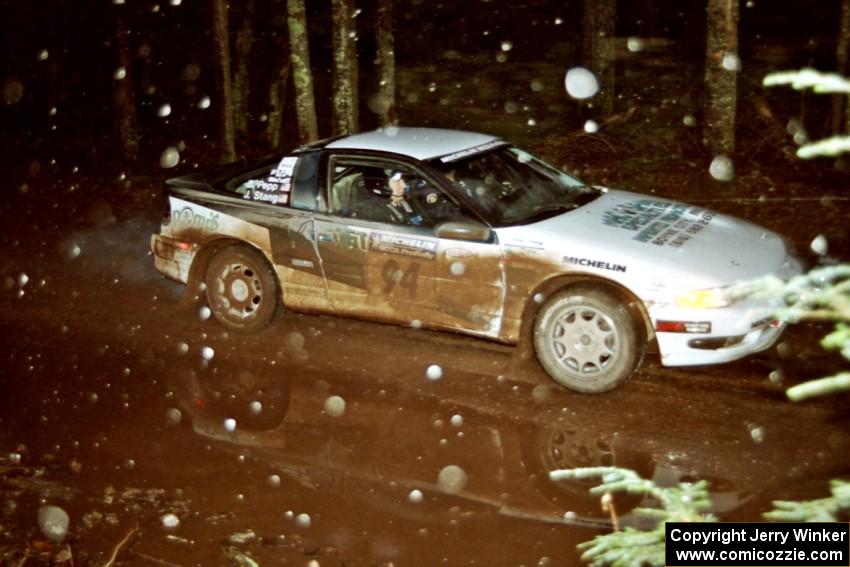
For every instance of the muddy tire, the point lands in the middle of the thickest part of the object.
(587, 341)
(242, 289)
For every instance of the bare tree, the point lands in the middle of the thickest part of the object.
(721, 67)
(277, 99)
(241, 76)
(385, 100)
(123, 99)
(221, 62)
(302, 74)
(598, 48)
(345, 67)
(840, 104)
(59, 32)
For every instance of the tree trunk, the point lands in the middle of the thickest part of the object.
(241, 77)
(598, 47)
(840, 102)
(344, 103)
(221, 62)
(123, 100)
(277, 102)
(59, 34)
(305, 105)
(721, 46)
(384, 102)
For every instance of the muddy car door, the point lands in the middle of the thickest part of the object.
(469, 285)
(378, 257)
(291, 182)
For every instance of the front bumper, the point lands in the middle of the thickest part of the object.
(684, 349)
(746, 327)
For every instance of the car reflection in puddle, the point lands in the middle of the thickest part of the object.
(412, 447)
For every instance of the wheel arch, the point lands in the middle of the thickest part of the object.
(208, 250)
(562, 282)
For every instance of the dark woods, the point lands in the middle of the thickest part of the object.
(245, 78)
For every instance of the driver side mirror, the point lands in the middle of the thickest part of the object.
(466, 229)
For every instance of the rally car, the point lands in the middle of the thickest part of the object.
(464, 232)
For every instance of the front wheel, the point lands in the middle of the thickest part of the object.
(586, 340)
(241, 289)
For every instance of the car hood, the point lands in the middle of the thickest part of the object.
(638, 233)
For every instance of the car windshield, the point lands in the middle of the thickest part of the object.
(511, 186)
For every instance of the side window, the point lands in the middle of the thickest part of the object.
(386, 192)
(272, 184)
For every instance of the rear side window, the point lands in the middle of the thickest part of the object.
(272, 184)
(291, 181)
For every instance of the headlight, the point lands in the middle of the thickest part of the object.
(704, 299)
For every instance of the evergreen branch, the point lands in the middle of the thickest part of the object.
(830, 147)
(685, 502)
(820, 387)
(821, 510)
(643, 548)
(808, 78)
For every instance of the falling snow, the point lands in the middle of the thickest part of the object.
(170, 157)
(581, 83)
(434, 372)
(819, 245)
(722, 168)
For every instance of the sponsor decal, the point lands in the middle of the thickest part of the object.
(424, 248)
(189, 218)
(588, 263)
(458, 253)
(523, 243)
(659, 222)
(351, 239)
(471, 151)
(299, 263)
(284, 168)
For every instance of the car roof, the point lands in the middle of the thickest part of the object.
(418, 143)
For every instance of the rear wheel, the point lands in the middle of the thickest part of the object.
(242, 290)
(586, 340)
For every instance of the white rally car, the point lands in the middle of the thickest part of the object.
(464, 232)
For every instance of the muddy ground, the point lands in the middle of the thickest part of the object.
(110, 410)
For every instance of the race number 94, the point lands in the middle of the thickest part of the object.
(393, 275)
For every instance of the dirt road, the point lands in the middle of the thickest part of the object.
(322, 439)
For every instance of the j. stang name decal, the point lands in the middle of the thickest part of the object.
(588, 263)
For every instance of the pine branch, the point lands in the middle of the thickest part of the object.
(685, 502)
(820, 387)
(808, 78)
(822, 510)
(829, 147)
